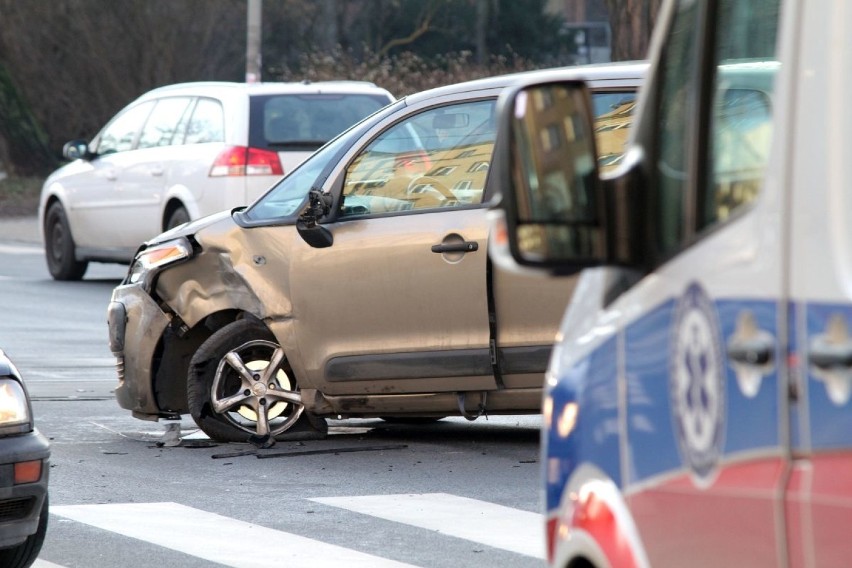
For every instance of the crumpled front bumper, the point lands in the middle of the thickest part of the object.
(136, 324)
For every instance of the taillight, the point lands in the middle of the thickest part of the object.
(242, 161)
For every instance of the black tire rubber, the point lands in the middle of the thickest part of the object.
(59, 247)
(177, 217)
(202, 371)
(24, 554)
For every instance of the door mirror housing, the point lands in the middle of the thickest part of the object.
(550, 205)
(76, 149)
(319, 205)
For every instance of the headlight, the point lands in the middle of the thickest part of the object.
(150, 260)
(14, 407)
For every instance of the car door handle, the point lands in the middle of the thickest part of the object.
(464, 246)
(752, 351)
(156, 171)
(825, 355)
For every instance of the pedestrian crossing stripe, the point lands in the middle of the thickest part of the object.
(39, 563)
(486, 523)
(199, 533)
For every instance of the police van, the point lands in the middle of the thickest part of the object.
(697, 405)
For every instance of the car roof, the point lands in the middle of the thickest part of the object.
(631, 72)
(272, 88)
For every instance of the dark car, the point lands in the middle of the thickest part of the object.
(24, 464)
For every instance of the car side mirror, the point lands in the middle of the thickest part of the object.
(319, 205)
(76, 149)
(550, 204)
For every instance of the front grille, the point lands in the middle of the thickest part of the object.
(16, 509)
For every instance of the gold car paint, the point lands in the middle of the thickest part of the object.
(134, 390)
(381, 290)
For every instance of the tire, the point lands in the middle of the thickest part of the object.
(177, 217)
(59, 246)
(24, 554)
(259, 403)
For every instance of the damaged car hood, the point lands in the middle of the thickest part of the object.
(191, 228)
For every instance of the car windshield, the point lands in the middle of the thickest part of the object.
(285, 198)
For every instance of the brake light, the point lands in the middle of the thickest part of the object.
(242, 161)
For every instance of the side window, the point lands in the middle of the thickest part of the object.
(741, 115)
(735, 120)
(437, 158)
(613, 119)
(120, 134)
(677, 104)
(207, 123)
(164, 122)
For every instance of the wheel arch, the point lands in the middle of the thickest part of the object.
(172, 205)
(174, 352)
(594, 525)
(45, 207)
(181, 196)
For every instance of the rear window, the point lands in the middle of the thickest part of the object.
(306, 122)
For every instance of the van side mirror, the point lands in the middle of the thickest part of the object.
(550, 208)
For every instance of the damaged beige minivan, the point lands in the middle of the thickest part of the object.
(358, 286)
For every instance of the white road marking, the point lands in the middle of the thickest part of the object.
(39, 563)
(199, 533)
(478, 521)
(21, 249)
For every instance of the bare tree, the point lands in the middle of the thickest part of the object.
(632, 22)
(78, 61)
(73, 64)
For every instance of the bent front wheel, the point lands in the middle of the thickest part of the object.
(240, 385)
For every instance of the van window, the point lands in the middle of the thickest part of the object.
(677, 103)
(164, 122)
(741, 113)
(732, 113)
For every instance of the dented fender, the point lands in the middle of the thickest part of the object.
(237, 270)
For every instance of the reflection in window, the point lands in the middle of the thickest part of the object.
(555, 146)
(120, 134)
(550, 136)
(676, 112)
(442, 171)
(742, 129)
(478, 167)
(437, 158)
(613, 119)
(207, 123)
(741, 117)
(164, 122)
